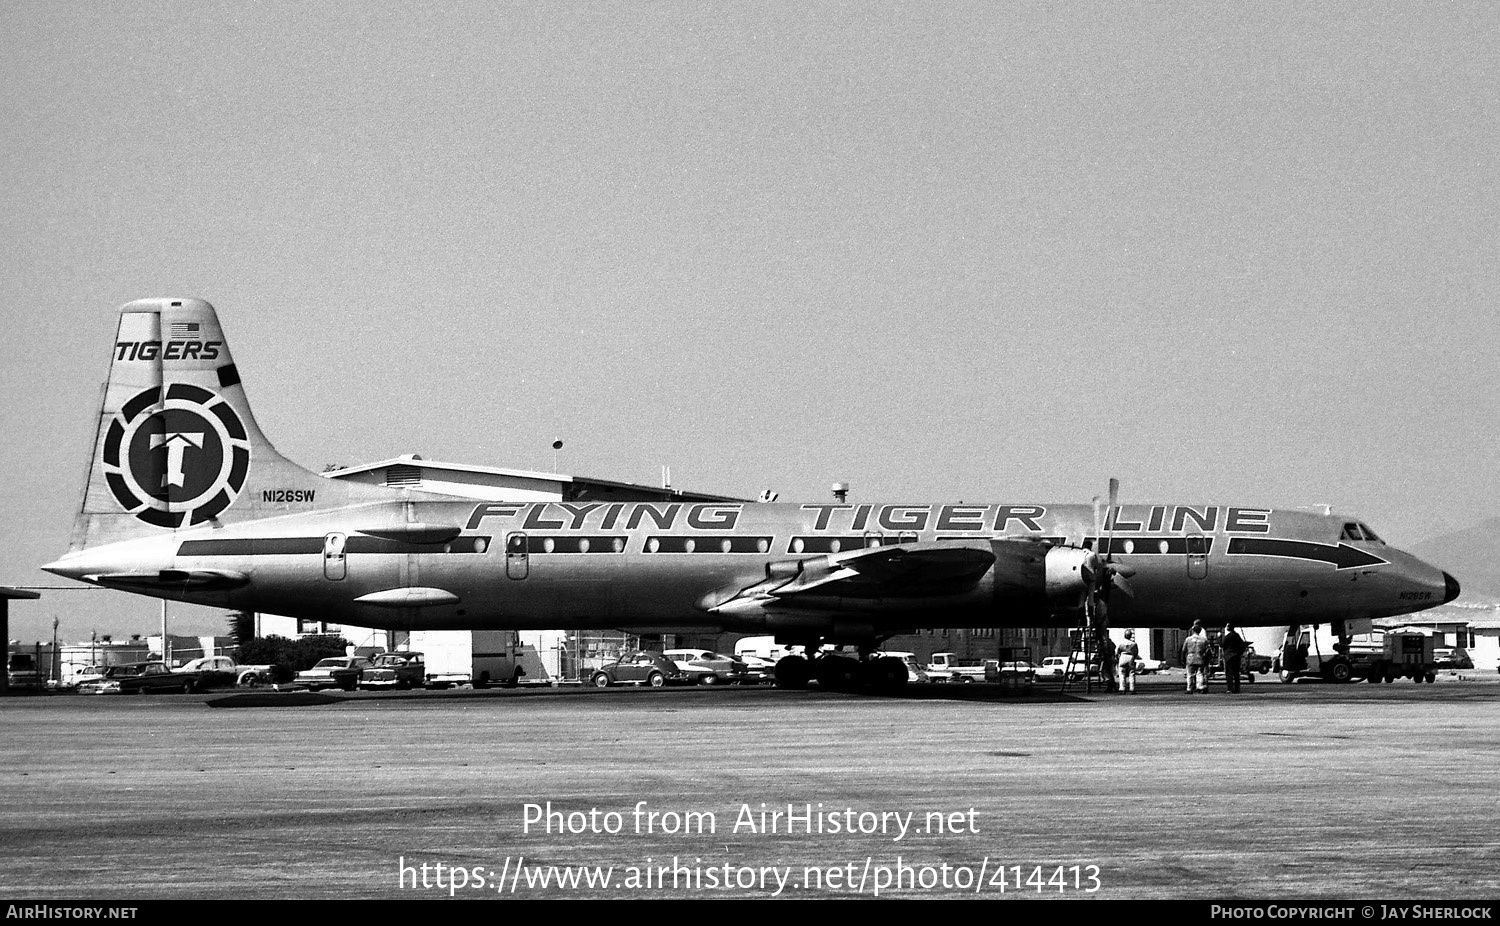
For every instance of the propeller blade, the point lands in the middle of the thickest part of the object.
(1114, 515)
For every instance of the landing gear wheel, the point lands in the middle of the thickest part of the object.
(793, 672)
(837, 673)
(886, 674)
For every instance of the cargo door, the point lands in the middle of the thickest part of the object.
(1197, 556)
(517, 562)
(335, 559)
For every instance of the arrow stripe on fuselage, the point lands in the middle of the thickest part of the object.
(1340, 555)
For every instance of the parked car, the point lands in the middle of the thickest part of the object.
(1444, 657)
(652, 669)
(1052, 667)
(334, 672)
(710, 668)
(224, 672)
(85, 674)
(1148, 666)
(1015, 672)
(395, 670)
(138, 678)
(766, 667)
(1078, 670)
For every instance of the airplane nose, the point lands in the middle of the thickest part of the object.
(1450, 585)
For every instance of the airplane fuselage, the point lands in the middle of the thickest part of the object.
(465, 564)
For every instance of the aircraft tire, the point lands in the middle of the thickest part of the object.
(837, 673)
(886, 674)
(793, 672)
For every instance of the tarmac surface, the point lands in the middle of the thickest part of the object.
(1283, 792)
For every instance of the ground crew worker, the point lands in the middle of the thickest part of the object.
(1129, 653)
(1232, 646)
(1195, 657)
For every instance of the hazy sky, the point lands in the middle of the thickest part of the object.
(990, 251)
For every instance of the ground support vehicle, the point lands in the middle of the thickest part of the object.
(1400, 655)
(1373, 655)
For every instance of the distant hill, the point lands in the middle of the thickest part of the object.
(1471, 555)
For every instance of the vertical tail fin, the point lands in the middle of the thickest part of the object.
(177, 445)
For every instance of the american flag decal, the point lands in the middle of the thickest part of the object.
(182, 329)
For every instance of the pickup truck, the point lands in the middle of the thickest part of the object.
(946, 667)
(223, 672)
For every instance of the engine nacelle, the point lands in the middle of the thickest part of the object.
(1068, 571)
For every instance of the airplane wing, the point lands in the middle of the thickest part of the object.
(908, 570)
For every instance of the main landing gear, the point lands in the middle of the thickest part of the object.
(842, 672)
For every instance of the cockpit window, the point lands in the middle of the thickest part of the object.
(1355, 530)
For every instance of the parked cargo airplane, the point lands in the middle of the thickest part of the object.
(186, 499)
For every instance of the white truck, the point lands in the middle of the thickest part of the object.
(764, 648)
(478, 658)
(947, 667)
